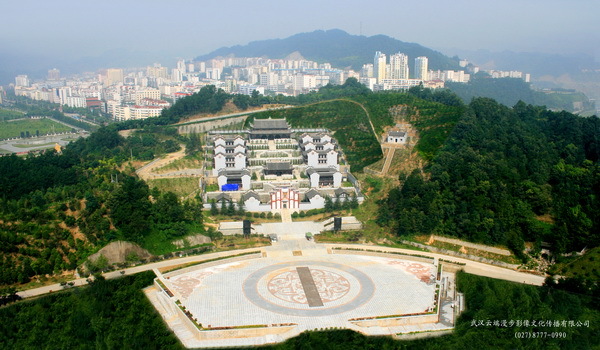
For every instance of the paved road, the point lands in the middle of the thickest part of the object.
(224, 116)
(300, 242)
(42, 142)
(473, 267)
(133, 270)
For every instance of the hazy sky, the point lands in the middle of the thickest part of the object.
(187, 28)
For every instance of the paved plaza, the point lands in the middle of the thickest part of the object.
(297, 285)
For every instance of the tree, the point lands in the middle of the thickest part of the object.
(223, 210)
(131, 208)
(337, 205)
(255, 99)
(353, 201)
(193, 144)
(193, 209)
(241, 101)
(240, 207)
(213, 207)
(167, 209)
(328, 204)
(231, 208)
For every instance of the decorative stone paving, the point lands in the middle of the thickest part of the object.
(290, 298)
(278, 295)
(288, 287)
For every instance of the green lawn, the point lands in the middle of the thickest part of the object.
(586, 266)
(33, 146)
(181, 186)
(7, 114)
(44, 126)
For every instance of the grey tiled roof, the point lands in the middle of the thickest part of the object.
(270, 124)
(397, 133)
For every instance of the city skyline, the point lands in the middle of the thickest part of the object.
(185, 29)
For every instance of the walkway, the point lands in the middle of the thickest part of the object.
(225, 116)
(293, 239)
(388, 159)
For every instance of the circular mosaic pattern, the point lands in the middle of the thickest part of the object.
(277, 288)
(288, 287)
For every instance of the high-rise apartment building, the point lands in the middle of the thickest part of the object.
(177, 74)
(181, 66)
(379, 65)
(421, 68)
(367, 71)
(398, 66)
(113, 76)
(22, 80)
(54, 74)
(157, 71)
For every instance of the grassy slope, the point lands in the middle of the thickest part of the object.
(352, 126)
(44, 126)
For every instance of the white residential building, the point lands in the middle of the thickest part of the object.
(379, 66)
(22, 81)
(398, 66)
(421, 68)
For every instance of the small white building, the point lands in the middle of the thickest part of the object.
(396, 137)
(251, 201)
(234, 176)
(229, 141)
(324, 177)
(230, 149)
(322, 159)
(315, 199)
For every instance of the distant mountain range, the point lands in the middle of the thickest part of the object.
(536, 63)
(336, 47)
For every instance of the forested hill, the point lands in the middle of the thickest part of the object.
(509, 91)
(506, 176)
(496, 175)
(336, 47)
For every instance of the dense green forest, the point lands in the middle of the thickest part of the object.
(56, 209)
(116, 314)
(509, 91)
(105, 315)
(507, 175)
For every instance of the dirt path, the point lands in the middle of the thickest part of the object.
(388, 159)
(147, 171)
